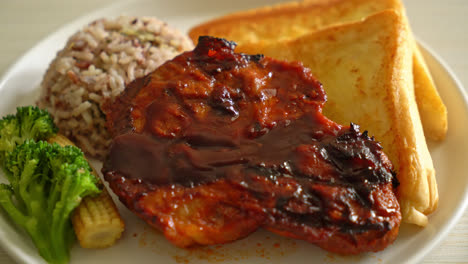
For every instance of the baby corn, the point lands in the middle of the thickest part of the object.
(96, 221)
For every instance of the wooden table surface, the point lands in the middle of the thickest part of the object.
(441, 24)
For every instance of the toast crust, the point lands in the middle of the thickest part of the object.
(293, 19)
(287, 20)
(365, 68)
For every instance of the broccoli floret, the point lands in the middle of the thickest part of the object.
(29, 122)
(47, 182)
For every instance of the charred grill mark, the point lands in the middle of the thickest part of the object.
(222, 100)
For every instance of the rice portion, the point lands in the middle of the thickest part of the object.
(95, 66)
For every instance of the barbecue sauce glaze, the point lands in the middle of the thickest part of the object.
(213, 114)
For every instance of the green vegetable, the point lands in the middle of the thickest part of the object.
(29, 123)
(47, 182)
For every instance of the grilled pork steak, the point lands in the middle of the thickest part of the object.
(214, 144)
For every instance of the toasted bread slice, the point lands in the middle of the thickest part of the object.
(293, 19)
(365, 68)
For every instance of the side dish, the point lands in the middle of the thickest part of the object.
(96, 221)
(47, 181)
(95, 65)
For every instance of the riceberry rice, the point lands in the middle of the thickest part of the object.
(95, 65)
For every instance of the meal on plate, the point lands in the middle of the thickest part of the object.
(365, 69)
(314, 127)
(95, 65)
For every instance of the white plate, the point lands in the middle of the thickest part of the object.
(144, 245)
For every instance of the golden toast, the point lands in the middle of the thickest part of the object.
(293, 19)
(365, 68)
